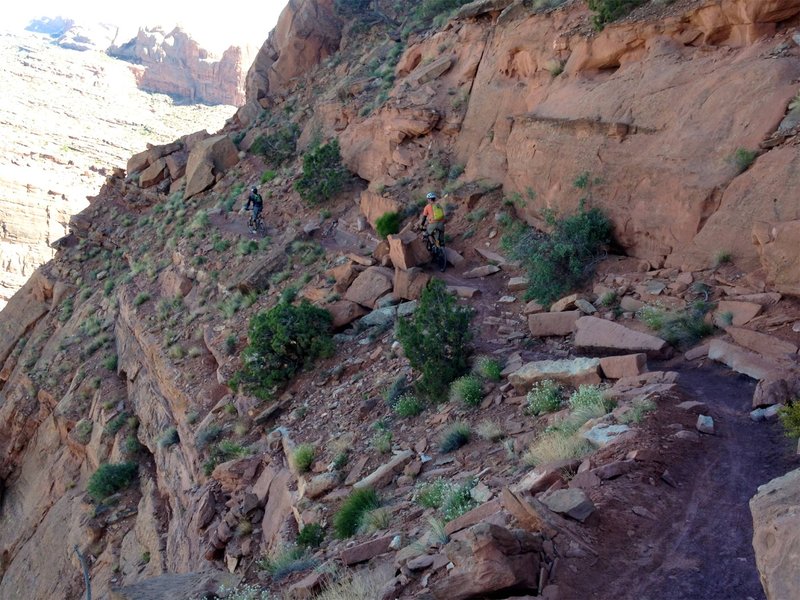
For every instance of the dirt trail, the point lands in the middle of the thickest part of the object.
(699, 545)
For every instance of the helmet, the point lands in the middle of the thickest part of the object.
(431, 196)
(255, 189)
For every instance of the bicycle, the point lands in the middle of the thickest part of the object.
(435, 245)
(257, 226)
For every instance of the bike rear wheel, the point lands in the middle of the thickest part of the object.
(439, 257)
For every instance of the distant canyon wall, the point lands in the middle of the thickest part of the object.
(66, 120)
(171, 62)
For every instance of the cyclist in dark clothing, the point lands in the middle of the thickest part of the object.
(258, 205)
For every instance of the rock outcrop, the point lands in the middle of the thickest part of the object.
(171, 62)
(776, 523)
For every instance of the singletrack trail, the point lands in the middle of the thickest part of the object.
(699, 547)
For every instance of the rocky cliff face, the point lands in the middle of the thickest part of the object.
(637, 115)
(171, 62)
(123, 346)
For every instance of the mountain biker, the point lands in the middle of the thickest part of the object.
(433, 217)
(258, 205)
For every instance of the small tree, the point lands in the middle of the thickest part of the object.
(436, 340)
(283, 341)
(323, 173)
(111, 478)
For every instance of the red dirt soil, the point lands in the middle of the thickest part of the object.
(696, 542)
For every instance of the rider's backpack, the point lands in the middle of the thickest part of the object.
(438, 212)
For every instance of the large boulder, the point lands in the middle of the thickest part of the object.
(208, 158)
(776, 536)
(374, 206)
(407, 250)
(370, 286)
(489, 559)
(553, 323)
(573, 372)
(600, 335)
(409, 284)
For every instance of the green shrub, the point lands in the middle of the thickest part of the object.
(408, 406)
(268, 176)
(454, 437)
(110, 478)
(283, 341)
(742, 159)
(563, 260)
(436, 340)
(208, 435)
(586, 395)
(117, 423)
(388, 224)
(286, 561)
(169, 438)
(638, 410)
(682, 328)
(348, 519)
(607, 11)
(303, 456)
(467, 389)
(141, 298)
(458, 501)
(223, 452)
(453, 500)
(398, 388)
(110, 362)
(488, 368)
(556, 445)
(311, 536)
(83, 431)
(323, 173)
(382, 441)
(723, 257)
(277, 147)
(490, 431)
(429, 9)
(790, 418)
(544, 397)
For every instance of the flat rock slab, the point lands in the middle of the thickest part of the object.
(602, 435)
(366, 551)
(553, 323)
(741, 360)
(384, 474)
(743, 312)
(629, 365)
(764, 344)
(483, 271)
(574, 372)
(476, 515)
(492, 257)
(572, 502)
(598, 334)
(565, 303)
(518, 284)
(463, 291)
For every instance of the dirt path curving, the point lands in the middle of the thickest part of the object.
(697, 545)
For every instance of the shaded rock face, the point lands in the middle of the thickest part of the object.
(173, 63)
(776, 524)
